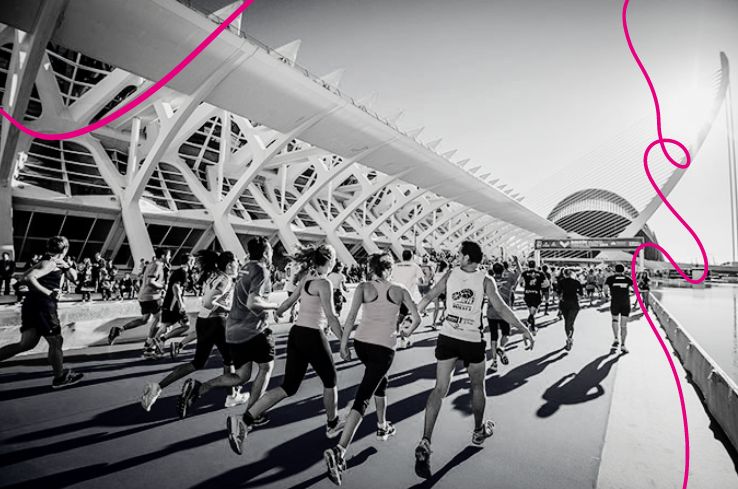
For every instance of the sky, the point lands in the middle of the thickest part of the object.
(525, 87)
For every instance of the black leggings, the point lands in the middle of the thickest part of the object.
(210, 332)
(307, 346)
(377, 360)
(569, 311)
(495, 326)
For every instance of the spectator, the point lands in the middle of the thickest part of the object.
(105, 284)
(7, 269)
(126, 286)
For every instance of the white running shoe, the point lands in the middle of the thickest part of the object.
(152, 391)
(335, 430)
(237, 398)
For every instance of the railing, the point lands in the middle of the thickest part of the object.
(720, 392)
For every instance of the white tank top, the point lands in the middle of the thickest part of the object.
(207, 291)
(464, 300)
(379, 318)
(310, 314)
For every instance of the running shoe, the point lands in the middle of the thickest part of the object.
(237, 432)
(69, 377)
(190, 391)
(422, 459)
(260, 421)
(615, 346)
(336, 465)
(237, 398)
(492, 369)
(624, 350)
(336, 429)
(569, 343)
(150, 352)
(174, 348)
(113, 334)
(383, 433)
(503, 356)
(487, 430)
(152, 391)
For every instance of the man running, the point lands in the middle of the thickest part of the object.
(173, 309)
(153, 282)
(546, 288)
(408, 274)
(532, 283)
(247, 335)
(39, 311)
(591, 285)
(619, 285)
(505, 281)
(461, 338)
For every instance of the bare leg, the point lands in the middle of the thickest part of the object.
(259, 386)
(330, 399)
(230, 379)
(179, 372)
(353, 420)
(56, 357)
(478, 394)
(444, 370)
(615, 323)
(623, 329)
(381, 403)
(266, 402)
(29, 340)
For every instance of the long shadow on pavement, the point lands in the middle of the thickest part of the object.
(575, 388)
(458, 459)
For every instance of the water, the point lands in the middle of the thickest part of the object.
(710, 315)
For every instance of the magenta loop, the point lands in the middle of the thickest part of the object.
(662, 142)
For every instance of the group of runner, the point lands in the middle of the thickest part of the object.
(233, 318)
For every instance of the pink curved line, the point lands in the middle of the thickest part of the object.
(662, 142)
(142, 97)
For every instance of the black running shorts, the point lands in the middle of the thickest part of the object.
(448, 348)
(532, 299)
(259, 349)
(210, 332)
(39, 312)
(496, 326)
(150, 307)
(173, 317)
(620, 309)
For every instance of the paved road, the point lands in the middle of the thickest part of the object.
(551, 409)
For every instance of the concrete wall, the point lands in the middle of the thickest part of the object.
(718, 390)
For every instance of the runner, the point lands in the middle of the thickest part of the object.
(461, 338)
(532, 283)
(569, 292)
(338, 285)
(546, 289)
(149, 298)
(307, 345)
(644, 285)
(374, 343)
(590, 285)
(248, 338)
(440, 301)
(428, 278)
(173, 308)
(505, 281)
(619, 285)
(408, 274)
(39, 317)
(601, 284)
(211, 320)
(291, 270)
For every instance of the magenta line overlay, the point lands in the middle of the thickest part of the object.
(662, 142)
(142, 97)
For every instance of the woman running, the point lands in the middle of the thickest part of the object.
(307, 345)
(210, 326)
(374, 343)
(570, 290)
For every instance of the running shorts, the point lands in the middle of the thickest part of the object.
(532, 299)
(40, 313)
(448, 348)
(620, 309)
(210, 333)
(424, 289)
(496, 326)
(173, 317)
(150, 307)
(259, 349)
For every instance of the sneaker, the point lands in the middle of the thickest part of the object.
(113, 334)
(383, 433)
(422, 459)
(624, 350)
(69, 377)
(150, 352)
(492, 369)
(615, 346)
(237, 398)
(503, 356)
(336, 429)
(336, 465)
(261, 421)
(159, 345)
(174, 349)
(237, 432)
(487, 430)
(190, 391)
(569, 343)
(152, 391)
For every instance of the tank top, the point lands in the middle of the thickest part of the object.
(207, 289)
(379, 318)
(51, 281)
(310, 314)
(464, 299)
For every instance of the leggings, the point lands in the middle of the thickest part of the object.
(569, 311)
(210, 333)
(377, 360)
(308, 346)
(495, 326)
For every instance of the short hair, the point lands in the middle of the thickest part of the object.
(256, 247)
(57, 244)
(619, 268)
(407, 255)
(225, 259)
(473, 251)
(498, 268)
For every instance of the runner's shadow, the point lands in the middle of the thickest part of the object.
(518, 376)
(577, 388)
(458, 459)
(357, 459)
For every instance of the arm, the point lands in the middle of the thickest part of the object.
(46, 267)
(255, 301)
(177, 291)
(325, 291)
(351, 320)
(493, 295)
(153, 280)
(437, 290)
(290, 301)
(407, 300)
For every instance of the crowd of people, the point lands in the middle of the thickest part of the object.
(235, 316)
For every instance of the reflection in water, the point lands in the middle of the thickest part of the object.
(710, 315)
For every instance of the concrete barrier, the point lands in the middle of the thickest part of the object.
(719, 391)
